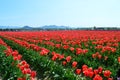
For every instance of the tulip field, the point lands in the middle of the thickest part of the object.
(60, 55)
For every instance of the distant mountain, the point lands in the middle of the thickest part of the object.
(45, 27)
(27, 27)
(31, 28)
(9, 27)
(54, 27)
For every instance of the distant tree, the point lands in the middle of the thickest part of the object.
(94, 28)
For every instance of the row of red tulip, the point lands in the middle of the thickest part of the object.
(21, 64)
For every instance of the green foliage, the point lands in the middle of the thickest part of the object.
(8, 69)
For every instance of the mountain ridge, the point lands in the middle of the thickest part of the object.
(29, 27)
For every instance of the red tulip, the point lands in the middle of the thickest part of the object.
(68, 58)
(107, 73)
(119, 59)
(84, 67)
(97, 77)
(72, 48)
(78, 71)
(91, 73)
(74, 64)
(96, 71)
(33, 74)
(64, 63)
(99, 56)
(65, 47)
(100, 69)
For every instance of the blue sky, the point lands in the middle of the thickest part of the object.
(83, 13)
